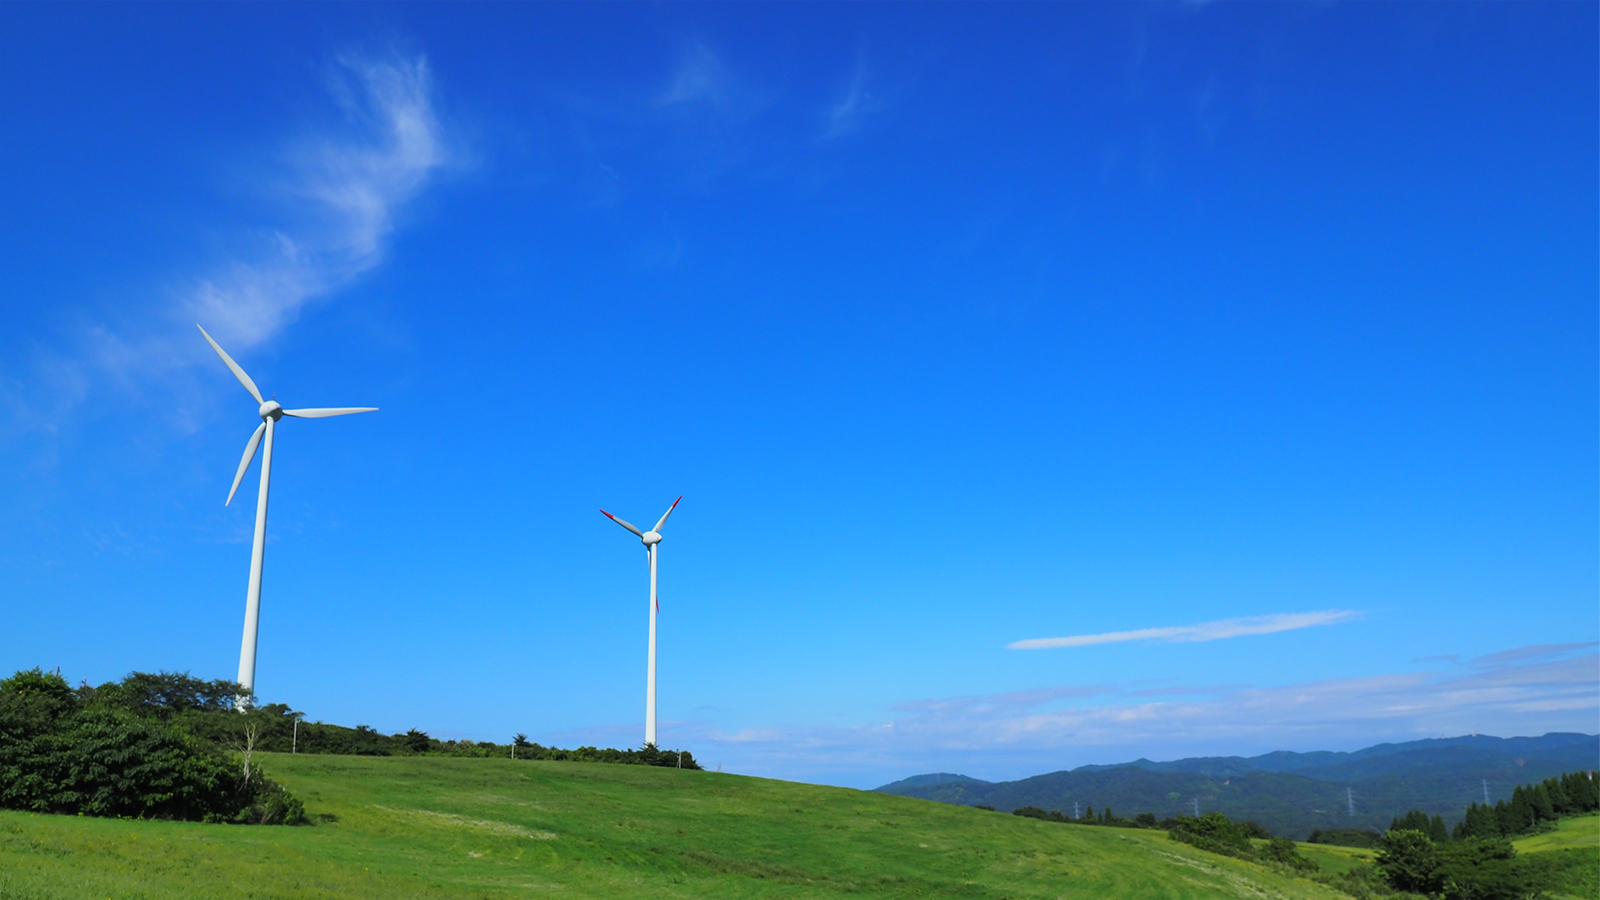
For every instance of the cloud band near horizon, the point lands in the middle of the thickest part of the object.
(1205, 631)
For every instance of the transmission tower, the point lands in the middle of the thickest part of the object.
(1485, 792)
(1350, 798)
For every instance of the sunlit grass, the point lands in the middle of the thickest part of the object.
(471, 828)
(1576, 833)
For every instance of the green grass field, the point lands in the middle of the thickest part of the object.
(466, 828)
(1573, 854)
(1577, 833)
(1335, 859)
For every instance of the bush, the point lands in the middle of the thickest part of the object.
(1470, 869)
(1217, 833)
(63, 753)
(1283, 852)
(1409, 862)
(1346, 837)
(1214, 832)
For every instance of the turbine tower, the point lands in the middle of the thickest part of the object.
(270, 413)
(650, 538)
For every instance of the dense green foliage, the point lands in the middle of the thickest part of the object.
(1219, 834)
(1213, 832)
(1532, 807)
(1417, 820)
(117, 754)
(1480, 863)
(436, 827)
(206, 709)
(1471, 869)
(1345, 837)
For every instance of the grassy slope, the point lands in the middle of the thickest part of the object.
(1336, 859)
(1574, 855)
(435, 827)
(1578, 832)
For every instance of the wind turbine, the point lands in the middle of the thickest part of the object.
(650, 538)
(270, 413)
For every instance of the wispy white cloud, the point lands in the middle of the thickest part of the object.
(1537, 651)
(846, 114)
(1519, 692)
(335, 196)
(701, 80)
(1205, 631)
(344, 190)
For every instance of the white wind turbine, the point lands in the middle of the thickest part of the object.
(650, 538)
(270, 413)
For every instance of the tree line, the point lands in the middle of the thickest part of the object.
(168, 745)
(1213, 832)
(1533, 807)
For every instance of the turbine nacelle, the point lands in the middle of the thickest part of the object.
(271, 411)
(651, 537)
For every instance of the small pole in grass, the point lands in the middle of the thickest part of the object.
(294, 743)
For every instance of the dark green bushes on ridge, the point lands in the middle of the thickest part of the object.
(61, 751)
(1345, 837)
(171, 746)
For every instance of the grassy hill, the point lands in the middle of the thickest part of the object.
(414, 827)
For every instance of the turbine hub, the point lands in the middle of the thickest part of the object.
(650, 538)
(271, 410)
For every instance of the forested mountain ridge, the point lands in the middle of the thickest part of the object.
(1290, 793)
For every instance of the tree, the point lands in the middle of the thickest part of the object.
(1409, 862)
(1487, 870)
(417, 741)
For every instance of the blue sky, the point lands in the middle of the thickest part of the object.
(1251, 349)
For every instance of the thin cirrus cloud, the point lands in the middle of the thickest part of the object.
(344, 190)
(336, 194)
(1205, 631)
(701, 80)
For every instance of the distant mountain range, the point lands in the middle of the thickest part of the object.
(1289, 793)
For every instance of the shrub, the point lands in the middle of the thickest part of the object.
(62, 754)
(1214, 832)
(1409, 861)
(1345, 837)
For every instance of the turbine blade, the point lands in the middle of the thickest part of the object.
(624, 523)
(249, 454)
(664, 515)
(331, 411)
(237, 372)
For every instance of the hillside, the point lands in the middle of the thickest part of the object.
(412, 827)
(1289, 793)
